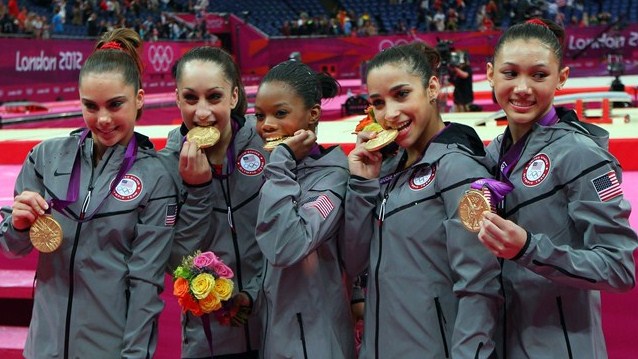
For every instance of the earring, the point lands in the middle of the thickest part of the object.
(559, 87)
(433, 100)
(491, 83)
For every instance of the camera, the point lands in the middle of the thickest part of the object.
(445, 49)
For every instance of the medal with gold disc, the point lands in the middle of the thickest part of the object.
(383, 139)
(203, 136)
(271, 143)
(45, 234)
(471, 208)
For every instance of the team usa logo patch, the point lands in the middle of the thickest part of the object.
(536, 170)
(128, 189)
(251, 162)
(422, 178)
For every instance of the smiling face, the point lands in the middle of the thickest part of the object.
(525, 76)
(281, 112)
(109, 108)
(205, 96)
(402, 102)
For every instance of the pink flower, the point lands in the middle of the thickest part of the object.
(206, 260)
(222, 270)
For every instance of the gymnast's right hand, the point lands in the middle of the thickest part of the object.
(362, 162)
(27, 207)
(193, 165)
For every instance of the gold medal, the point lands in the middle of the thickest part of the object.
(383, 139)
(271, 143)
(204, 137)
(471, 208)
(46, 234)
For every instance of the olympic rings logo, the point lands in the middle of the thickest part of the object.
(161, 57)
(386, 43)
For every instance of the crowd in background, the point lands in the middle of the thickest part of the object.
(148, 18)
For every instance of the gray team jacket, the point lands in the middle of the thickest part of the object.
(220, 217)
(579, 241)
(433, 288)
(97, 296)
(304, 304)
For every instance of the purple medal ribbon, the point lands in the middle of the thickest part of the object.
(499, 189)
(74, 182)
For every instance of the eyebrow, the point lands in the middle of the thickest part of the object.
(392, 89)
(109, 100)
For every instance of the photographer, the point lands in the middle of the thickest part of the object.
(460, 73)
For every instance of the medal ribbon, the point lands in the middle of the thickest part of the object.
(73, 190)
(499, 189)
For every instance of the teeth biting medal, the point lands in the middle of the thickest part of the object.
(203, 136)
(271, 143)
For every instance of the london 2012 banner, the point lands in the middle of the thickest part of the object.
(48, 70)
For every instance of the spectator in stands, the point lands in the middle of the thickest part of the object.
(57, 21)
(76, 14)
(562, 230)
(428, 276)
(305, 308)
(98, 209)
(222, 184)
(92, 27)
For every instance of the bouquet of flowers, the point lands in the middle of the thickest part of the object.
(368, 123)
(202, 284)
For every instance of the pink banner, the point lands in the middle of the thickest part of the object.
(586, 50)
(47, 70)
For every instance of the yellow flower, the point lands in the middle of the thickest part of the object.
(210, 303)
(202, 284)
(224, 288)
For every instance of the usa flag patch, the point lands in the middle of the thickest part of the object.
(607, 186)
(321, 203)
(171, 215)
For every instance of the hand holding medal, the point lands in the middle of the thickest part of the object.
(28, 211)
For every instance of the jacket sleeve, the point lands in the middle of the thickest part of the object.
(291, 223)
(146, 266)
(14, 243)
(475, 271)
(600, 216)
(360, 219)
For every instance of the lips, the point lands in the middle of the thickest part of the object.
(521, 105)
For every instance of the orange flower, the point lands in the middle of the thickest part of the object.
(180, 287)
(189, 304)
